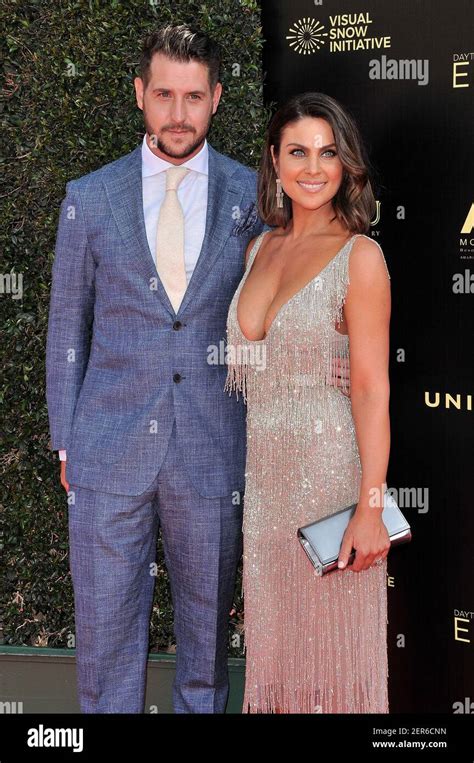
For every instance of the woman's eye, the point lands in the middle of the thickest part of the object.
(299, 152)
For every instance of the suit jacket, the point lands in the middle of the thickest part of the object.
(121, 365)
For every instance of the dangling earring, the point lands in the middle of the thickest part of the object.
(279, 193)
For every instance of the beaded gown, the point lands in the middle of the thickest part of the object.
(313, 644)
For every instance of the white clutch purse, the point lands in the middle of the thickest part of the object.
(322, 539)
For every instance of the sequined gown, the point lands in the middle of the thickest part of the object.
(313, 644)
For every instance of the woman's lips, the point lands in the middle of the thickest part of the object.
(311, 187)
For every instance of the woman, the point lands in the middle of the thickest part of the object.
(314, 285)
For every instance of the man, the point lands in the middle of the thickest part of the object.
(150, 250)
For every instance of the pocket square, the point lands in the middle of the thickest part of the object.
(247, 219)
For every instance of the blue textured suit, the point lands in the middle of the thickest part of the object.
(152, 439)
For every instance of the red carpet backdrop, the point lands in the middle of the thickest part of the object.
(406, 72)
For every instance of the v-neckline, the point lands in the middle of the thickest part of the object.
(291, 299)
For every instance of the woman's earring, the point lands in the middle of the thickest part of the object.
(279, 193)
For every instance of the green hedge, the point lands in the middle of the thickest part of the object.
(57, 127)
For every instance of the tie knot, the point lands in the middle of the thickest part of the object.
(174, 176)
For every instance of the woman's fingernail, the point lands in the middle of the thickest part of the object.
(340, 564)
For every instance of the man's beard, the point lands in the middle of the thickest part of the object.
(182, 153)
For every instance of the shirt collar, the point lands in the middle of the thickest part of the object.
(152, 164)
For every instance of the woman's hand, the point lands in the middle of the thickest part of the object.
(367, 534)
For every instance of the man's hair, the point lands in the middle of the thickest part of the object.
(181, 43)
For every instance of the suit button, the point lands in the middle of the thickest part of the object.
(177, 377)
(177, 325)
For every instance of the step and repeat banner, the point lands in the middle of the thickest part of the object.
(405, 71)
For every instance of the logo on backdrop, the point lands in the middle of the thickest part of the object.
(466, 241)
(462, 69)
(342, 33)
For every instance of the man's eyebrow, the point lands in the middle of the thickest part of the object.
(300, 145)
(167, 89)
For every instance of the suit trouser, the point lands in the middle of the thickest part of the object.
(112, 553)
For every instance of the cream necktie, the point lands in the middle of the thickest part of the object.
(169, 251)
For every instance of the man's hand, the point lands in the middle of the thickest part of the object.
(341, 366)
(63, 476)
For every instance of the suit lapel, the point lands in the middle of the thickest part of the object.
(124, 192)
(223, 195)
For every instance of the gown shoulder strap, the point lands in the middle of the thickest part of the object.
(254, 249)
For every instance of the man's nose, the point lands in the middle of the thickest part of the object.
(178, 110)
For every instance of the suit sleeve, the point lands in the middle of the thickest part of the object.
(71, 313)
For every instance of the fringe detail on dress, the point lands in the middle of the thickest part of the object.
(340, 665)
(236, 379)
(312, 644)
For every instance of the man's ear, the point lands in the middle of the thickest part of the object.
(138, 83)
(216, 96)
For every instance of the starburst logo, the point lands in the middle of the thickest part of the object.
(306, 36)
